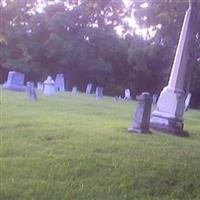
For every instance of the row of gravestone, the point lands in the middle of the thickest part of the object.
(15, 81)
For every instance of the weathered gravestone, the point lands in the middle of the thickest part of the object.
(74, 90)
(99, 92)
(60, 83)
(89, 88)
(15, 81)
(49, 87)
(142, 115)
(187, 101)
(30, 90)
(40, 86)
(127, 94)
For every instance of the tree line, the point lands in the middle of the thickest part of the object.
(78, 38)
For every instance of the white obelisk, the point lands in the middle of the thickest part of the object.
(168, 116)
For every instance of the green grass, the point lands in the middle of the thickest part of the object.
(76, 148)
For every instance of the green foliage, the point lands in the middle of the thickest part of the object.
(78, 38)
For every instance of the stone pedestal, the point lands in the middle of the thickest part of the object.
(49, 87)
(168, 116)
(142, 115)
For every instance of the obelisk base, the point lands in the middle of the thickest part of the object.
(168, 125)
(167, 116)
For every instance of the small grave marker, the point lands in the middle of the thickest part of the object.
(30, 90)
(142, 115)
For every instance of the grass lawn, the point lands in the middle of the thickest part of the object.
(76, 148)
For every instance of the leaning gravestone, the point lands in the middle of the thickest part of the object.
(142, 115)
(99, 92)
(89, 88)
(74, 90)
(127, 94)
(15, 81)
(49, 87)
(30, 90)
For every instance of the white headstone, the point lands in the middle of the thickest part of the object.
(60, 83)
(74, 90)
(99, 92)
(127, 94)
(49, 87)
(187, 101)
(89, 88)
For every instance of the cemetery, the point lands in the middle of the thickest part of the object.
(83, 118)
(75, 147)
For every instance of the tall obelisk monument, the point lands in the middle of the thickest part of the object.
(168, 116)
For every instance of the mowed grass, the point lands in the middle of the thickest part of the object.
(72, 147)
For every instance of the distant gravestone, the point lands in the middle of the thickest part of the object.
(30, 90)
(89, 88)
(127, 94)
(187, 101)
(99, 92)
(74, 90)
(60, 83)
(142, 115)
(15, 81)
(49, 87)
(155, 99)
(40, 86)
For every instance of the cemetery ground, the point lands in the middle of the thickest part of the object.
(74, 147)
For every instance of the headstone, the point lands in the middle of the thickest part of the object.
(142, 115)
(30, 90)
(187, 101)
(89, 88)
(60, 83)
(99, 92)
(40, 86)
(49, 87)
(15, 81)
(74, 90)
(127, 94)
